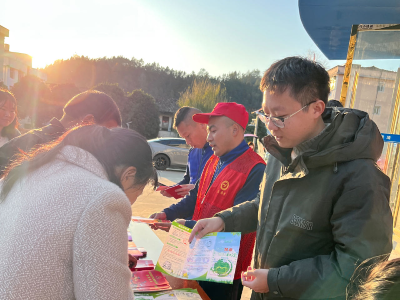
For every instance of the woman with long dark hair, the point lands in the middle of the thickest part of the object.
(64, 213)
(8, 117)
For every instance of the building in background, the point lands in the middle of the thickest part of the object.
(167, 109)
(371, 90)
(365, 33)
(14, 65)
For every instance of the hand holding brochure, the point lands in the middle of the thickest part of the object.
(211, 258)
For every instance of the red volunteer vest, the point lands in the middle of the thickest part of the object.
(222, 193)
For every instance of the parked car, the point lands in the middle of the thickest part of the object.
(169, 152)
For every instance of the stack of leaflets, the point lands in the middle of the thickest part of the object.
(211, 258)
(143, 265)
(135, 252)
(149, 281)
(138, 252)
(181, 294)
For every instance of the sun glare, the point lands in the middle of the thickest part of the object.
(41, 60)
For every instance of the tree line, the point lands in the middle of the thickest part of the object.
(134, 86)
(155, 80)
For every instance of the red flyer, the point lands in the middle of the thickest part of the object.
(149, 281)
(172, 191)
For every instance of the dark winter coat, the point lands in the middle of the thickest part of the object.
(321, 214)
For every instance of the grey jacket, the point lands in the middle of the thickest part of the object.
(63, 233)
(321, 214)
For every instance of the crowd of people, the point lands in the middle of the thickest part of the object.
(315, 217)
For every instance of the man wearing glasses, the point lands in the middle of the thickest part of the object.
(323, 207)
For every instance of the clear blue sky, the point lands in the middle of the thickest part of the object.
(218, 35)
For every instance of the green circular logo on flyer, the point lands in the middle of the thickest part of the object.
(222, 268)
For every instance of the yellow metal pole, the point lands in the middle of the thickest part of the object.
(349, 62)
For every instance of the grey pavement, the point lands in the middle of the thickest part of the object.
(174, 175)
(151, 201)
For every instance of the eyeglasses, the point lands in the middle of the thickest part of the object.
(278, 121)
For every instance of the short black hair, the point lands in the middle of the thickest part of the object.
(306, 80)
(334, 103)
(99, 104)
(182, 114)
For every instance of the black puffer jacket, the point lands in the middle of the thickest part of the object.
(322, 214)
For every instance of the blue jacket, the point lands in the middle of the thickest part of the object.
(197, 159)
(185, 208)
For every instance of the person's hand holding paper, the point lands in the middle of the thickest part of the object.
(177, 191)
(162, 226)
(204, 226)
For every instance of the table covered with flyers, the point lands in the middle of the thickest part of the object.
(149, 284)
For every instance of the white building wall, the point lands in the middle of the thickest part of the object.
(377, 103)
(13, 65)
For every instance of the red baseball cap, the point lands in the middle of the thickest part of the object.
(232, 110)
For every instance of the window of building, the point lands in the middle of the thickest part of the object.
(381, 87)
(377, 110)
(164, 123)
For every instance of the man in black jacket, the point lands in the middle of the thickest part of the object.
(87, 107)
(324, 202)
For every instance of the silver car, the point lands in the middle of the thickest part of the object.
(169, 152)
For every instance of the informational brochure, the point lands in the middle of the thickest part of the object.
(211, 258)
(181, 294)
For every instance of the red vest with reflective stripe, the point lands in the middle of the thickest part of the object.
(221, 195)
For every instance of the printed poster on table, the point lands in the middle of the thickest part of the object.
(211, 258)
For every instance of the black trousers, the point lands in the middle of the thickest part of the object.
(223, 291)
